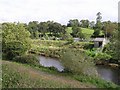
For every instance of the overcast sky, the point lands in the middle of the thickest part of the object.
(57, 10)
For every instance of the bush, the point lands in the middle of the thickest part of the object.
(15, 39)
(14, 48)
(89, 46)
(90, 53)
(27, 59)
(77, 62)
(102, 56)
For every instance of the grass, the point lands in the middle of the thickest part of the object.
(16, 75)
(53, 48)
(95, 81)
(86, 31)
(69, 30)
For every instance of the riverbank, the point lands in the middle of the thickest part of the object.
(105, 72)
(16, 75)
(52, 48)
(106, 63)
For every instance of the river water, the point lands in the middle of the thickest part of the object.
(109, 74)
(49, 62)
(106, 73)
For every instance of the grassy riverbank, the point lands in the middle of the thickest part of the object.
(16, 75)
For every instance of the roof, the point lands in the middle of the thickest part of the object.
(98, 39)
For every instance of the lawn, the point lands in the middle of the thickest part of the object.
(87, 31)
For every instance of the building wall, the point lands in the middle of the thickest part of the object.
(96, 44)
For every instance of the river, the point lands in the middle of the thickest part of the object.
(106, 73)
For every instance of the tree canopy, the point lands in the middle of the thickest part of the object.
(16, 39)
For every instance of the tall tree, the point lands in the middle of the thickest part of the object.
(113, 48)
(98, 25)
(109, 28)
(116, 44)
(33, 29)
(92, 24)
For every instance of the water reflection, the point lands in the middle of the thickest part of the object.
(109, 74)
(49, 62)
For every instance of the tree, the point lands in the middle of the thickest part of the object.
(43, 28)
(109, 27)
(98, 25)
(56, 29)
(92, 24)
(96, 32)
(98, 21)
(99, 17)
(15, 39)
(33, 29)
(113, 48)
(73, 23)
(85, 23)
(116, 44)
(77, 32)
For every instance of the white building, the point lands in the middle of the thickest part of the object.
(100, 42)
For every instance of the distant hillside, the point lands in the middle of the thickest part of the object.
(86, 31)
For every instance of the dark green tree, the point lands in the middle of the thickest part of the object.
(85, 23)
(98, 25)
(42, 28)
(56, 29)
(73, 23)
(77, 32)
(33, 29)
(92, 24)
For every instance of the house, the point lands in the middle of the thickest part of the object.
(99, 42)
(76, 39)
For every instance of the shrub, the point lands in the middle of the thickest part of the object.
(77, 62)
(14, 48)
(102, 56)
(15, 39)
(27, 59)
(90, 53)
(89, 46)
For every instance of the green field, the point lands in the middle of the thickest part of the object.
(86, 31)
